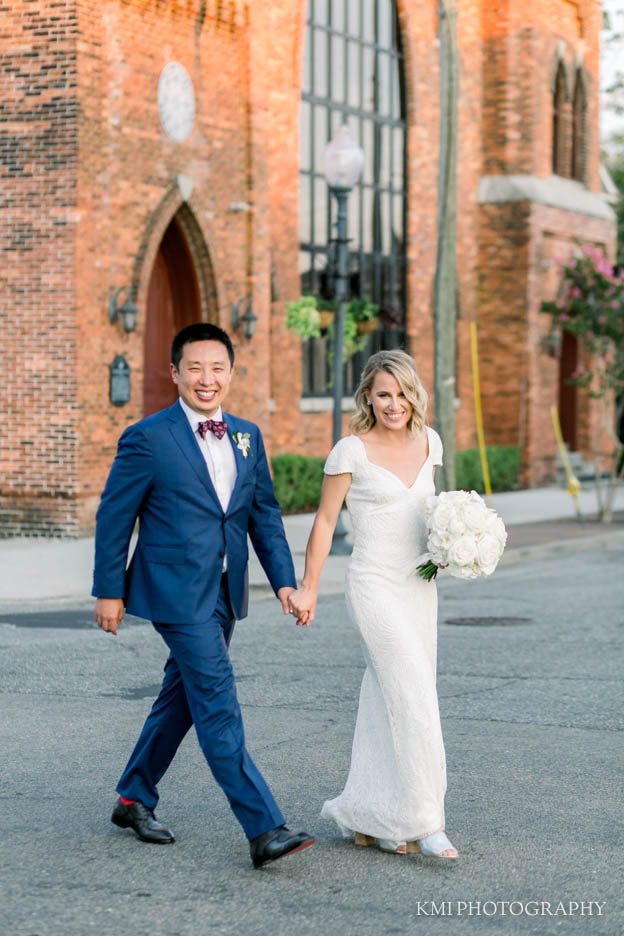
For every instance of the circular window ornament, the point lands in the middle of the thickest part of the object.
(176, 102)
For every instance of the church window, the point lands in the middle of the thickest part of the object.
(353, 74)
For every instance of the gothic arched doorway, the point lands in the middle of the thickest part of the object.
(568, 393)
(173, 301)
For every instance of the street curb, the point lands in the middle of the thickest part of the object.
(537, 551)
(613, 539)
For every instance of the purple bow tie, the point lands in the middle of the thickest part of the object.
(218, 426)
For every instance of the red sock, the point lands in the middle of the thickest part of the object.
(126, 802)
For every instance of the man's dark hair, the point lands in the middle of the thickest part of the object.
(199, 331)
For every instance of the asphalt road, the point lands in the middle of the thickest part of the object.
(530, 691)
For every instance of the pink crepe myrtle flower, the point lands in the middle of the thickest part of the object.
(605, 268)
(593, 252)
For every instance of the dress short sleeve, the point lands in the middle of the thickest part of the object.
(435, 447)
(341, 459)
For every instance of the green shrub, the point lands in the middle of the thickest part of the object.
(297, 480)
(503, 463)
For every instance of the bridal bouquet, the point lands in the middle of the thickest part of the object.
(465, 535)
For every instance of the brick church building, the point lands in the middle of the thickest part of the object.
(162, 162)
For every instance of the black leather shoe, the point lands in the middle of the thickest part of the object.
(276, 843)
(143, 821)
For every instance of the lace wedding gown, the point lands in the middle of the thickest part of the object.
(397, 779)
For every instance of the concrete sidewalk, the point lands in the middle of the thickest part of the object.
(540, 521)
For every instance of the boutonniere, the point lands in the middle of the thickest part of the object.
(243, 442)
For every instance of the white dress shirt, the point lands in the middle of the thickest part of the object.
(218, 455)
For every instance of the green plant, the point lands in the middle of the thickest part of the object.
(503, 464)
(362, 310)
(302, 317)
(297, 480)
(590, 306)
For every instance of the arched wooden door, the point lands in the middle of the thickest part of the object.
(172, 302)
(568, 393)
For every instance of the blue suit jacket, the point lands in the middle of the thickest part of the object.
(160, 477)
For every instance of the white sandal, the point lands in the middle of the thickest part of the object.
(432, 846)
(387, 845)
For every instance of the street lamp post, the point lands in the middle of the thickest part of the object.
(344, 161)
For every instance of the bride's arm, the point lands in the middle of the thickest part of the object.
(333, 493)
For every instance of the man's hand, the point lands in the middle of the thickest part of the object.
(109, 613)
(284, 594)
(303, 604)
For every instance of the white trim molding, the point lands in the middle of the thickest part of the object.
(325, 405)
(566, 194)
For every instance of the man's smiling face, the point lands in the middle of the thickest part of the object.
(204, 375)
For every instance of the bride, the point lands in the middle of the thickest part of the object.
(394, 794)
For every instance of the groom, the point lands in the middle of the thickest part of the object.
(198, 481)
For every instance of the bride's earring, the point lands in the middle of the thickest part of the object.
(369, 402)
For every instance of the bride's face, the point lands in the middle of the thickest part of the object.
(389, 404)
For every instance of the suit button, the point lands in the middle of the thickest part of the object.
(221, 555)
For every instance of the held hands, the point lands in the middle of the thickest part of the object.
(284, 598)
(303, 603)
(109, 613)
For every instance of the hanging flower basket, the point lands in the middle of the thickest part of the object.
(368, 326)
(326, 318)
(306, 319)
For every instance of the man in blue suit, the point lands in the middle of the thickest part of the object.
(198, 481)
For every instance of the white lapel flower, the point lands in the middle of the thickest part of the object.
(243, 442)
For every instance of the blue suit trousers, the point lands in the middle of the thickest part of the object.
(199, 689)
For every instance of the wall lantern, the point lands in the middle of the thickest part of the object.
(247, 319)
(129, 310)
(551, 343)
(119, 386)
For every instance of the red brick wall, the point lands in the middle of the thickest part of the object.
(127, 193)
(523, 45)
(89, 179)
(38, 161)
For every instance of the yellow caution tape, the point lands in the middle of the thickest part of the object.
(573, 484)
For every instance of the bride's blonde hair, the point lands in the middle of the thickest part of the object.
(402, 367)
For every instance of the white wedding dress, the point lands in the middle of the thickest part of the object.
(397, 779)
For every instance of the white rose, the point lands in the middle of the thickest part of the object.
(456, 525)
(463, 551)
(437, 545)
(442, 516)
(495, 526)
(489, 552)
(475, 516)
(464, 572)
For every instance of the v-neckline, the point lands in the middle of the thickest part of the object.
(408, 487)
